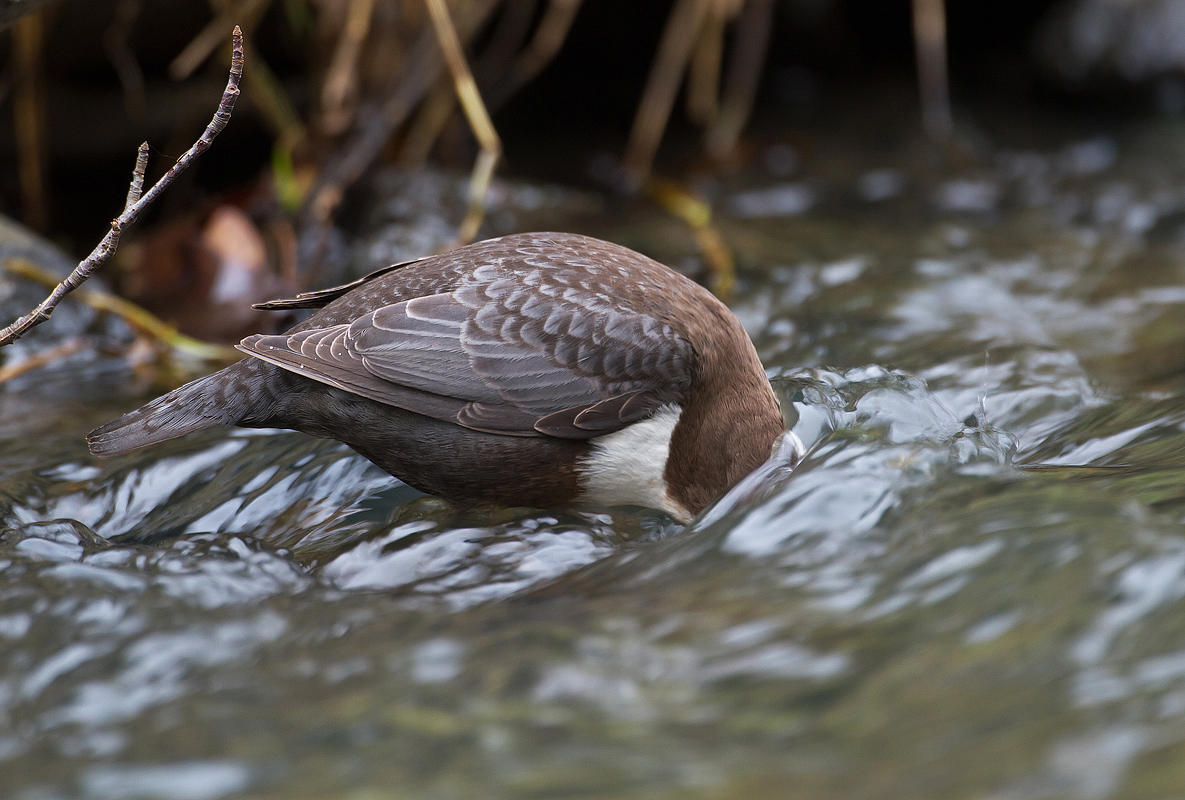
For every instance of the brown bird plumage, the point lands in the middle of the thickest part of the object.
(490, 374)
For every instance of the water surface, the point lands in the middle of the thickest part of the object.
(973, 587)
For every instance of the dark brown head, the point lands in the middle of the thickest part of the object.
(731, 418)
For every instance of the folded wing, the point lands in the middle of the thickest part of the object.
(499, 357)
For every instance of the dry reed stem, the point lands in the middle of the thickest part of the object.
(28, 110)
(269, 97)
(340, 86)
(929, 35)
(548, 39)
(131, 213)
(424, 130)
(202, 46)
(678, 37)
(376, 122)
(703, 75)
(127, 68)
(696, 212)
(375, 126)
(476, 114)
(66, 348)
(744, 74)
(505, 40)
(138, 317)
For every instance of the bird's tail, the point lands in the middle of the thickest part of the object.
(224, 398)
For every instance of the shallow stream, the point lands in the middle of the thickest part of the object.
(973, 587)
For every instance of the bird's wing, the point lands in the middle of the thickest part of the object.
(501, 355)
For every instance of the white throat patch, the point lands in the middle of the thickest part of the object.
(625, 468)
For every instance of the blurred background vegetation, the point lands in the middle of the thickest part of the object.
(603, 94)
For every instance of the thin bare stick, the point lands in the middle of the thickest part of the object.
(137, 187)
(475, 112)
(106, 248)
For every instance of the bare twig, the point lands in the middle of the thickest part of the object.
(475, 112)
(261, 86)
(131, 213)
(137, 188)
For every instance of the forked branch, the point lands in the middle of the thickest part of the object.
(136, 203)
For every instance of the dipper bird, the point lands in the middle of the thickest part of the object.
(539, 369)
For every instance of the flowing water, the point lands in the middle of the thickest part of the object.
(973, 587)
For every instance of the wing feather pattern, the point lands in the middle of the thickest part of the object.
(275, 349)
(523, 350)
